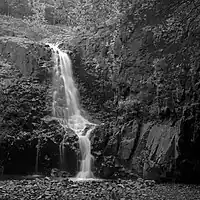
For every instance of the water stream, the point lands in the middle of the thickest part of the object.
(37, 156)
(66, 108)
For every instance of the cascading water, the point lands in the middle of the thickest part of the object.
(37, 156)
(66, 108)
(85, 147)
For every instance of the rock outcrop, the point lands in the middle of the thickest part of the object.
(113, 146)
(159, 148)
(25, 99)
(15, 8)
(29, 137)
(160, 151)
(27, 56)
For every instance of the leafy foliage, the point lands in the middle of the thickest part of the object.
(147, 51)
(15, 8)
(23, 105)
(159, 66)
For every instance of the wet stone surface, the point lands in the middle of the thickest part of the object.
(68, 189)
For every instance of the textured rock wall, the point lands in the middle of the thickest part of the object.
(26, 123)
(18, 8)
(128, 148)
(25, 99)
(113, 146)
(158, 145)
(24, 54)
(162, 151)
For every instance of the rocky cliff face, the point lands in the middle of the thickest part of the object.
(15, 8)
(160, 151)
(26, 132)
(29, 137)
(130, 147)
(27, 56)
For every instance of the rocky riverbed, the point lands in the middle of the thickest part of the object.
(67, 189)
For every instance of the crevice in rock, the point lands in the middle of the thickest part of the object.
(136, 140)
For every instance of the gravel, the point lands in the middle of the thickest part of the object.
(69, 189)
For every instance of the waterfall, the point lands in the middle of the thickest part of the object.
(85, 147)
(37, 156)
(66, 109)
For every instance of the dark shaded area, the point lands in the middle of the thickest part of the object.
(189, 160)
(21, 155)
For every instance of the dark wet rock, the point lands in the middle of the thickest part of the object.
(189, 144)
(128, 140)
(162, 151)
(25, 99)
(113, 146)
(126, 148)
(140, 153)
(171, 149)
(71, 153)
(21, 152)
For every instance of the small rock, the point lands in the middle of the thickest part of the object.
(120, 185)
(150, 182)
(140, 180)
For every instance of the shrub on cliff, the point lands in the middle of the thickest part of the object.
(23, 104)
(158, 65)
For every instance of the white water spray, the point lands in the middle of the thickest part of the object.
(66, 108)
